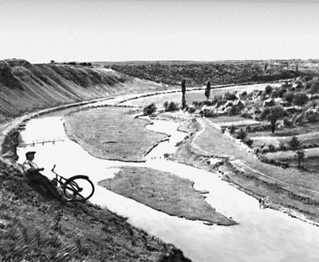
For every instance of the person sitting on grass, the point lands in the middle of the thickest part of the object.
(32, 172)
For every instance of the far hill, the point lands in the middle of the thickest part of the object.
(25, 87)
(199, 72)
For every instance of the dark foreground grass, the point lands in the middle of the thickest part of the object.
(164, 192)
(36, 228)
(112, 133)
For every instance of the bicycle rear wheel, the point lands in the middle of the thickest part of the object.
(78, 188)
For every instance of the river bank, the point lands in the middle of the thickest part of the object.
(241, 176)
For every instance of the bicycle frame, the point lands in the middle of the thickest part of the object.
(60, 179)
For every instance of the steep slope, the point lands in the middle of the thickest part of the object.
(25, 87)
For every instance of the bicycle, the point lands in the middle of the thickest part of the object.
(76, 188)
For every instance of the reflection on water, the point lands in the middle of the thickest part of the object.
(262, 235)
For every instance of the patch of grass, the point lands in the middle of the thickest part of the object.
(165, 192)
(112, 133)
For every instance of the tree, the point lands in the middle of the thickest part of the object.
(300, 154)
(289, 97)
(294, 143)
(207, 90)
(273, 114)
(314, 89)
(150, 109)
(268, 90)
(300, 99)
(183, 86)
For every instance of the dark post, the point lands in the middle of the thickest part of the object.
(207, 90)
(183, 94)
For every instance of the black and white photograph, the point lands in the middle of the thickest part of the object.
(159, 130)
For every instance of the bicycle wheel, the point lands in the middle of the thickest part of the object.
(78, 188)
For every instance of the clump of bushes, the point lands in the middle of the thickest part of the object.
(191, 109)
(294, 143)
(300, 99)
(149, 110)
(230, 96)
(170, 106)
(249, 142)
(241, 134)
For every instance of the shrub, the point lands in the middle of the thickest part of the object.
(150, 109)
(300, 99)
(249, 142)
(232, 129)
(271, 148)
(282, 146)
(242, 134)
(170, 106)
(191, 109)
(289, 97)
(230, 96)
(294, 143)
(314, 88)
(268, 89)
(288, 122)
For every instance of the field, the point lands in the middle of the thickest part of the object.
(112, 133)
(165, 192)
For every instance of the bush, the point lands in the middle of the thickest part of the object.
(289, 97)
(314, 89)
(230, 96)
(232, 129)
(268, 90)
(282, 146)
(288, 122)
(191, 109)
(170, 106)
(271, 148)
(249, 142)
(150, 109)
(300, 99)
(294, 143)
(242, 134)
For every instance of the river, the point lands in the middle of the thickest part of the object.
(262, 234)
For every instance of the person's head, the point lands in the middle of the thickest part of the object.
(30, 155)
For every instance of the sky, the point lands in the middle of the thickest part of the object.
(120, 30)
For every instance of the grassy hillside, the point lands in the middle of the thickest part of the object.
(36, 228)
(26, 87)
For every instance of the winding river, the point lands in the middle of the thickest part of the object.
(262, 234)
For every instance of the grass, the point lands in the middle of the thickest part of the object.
(276, 139)
(165, 192)
(112, 133)
(35, 228)
(285, 155)
(311, 164)
(298, 130)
